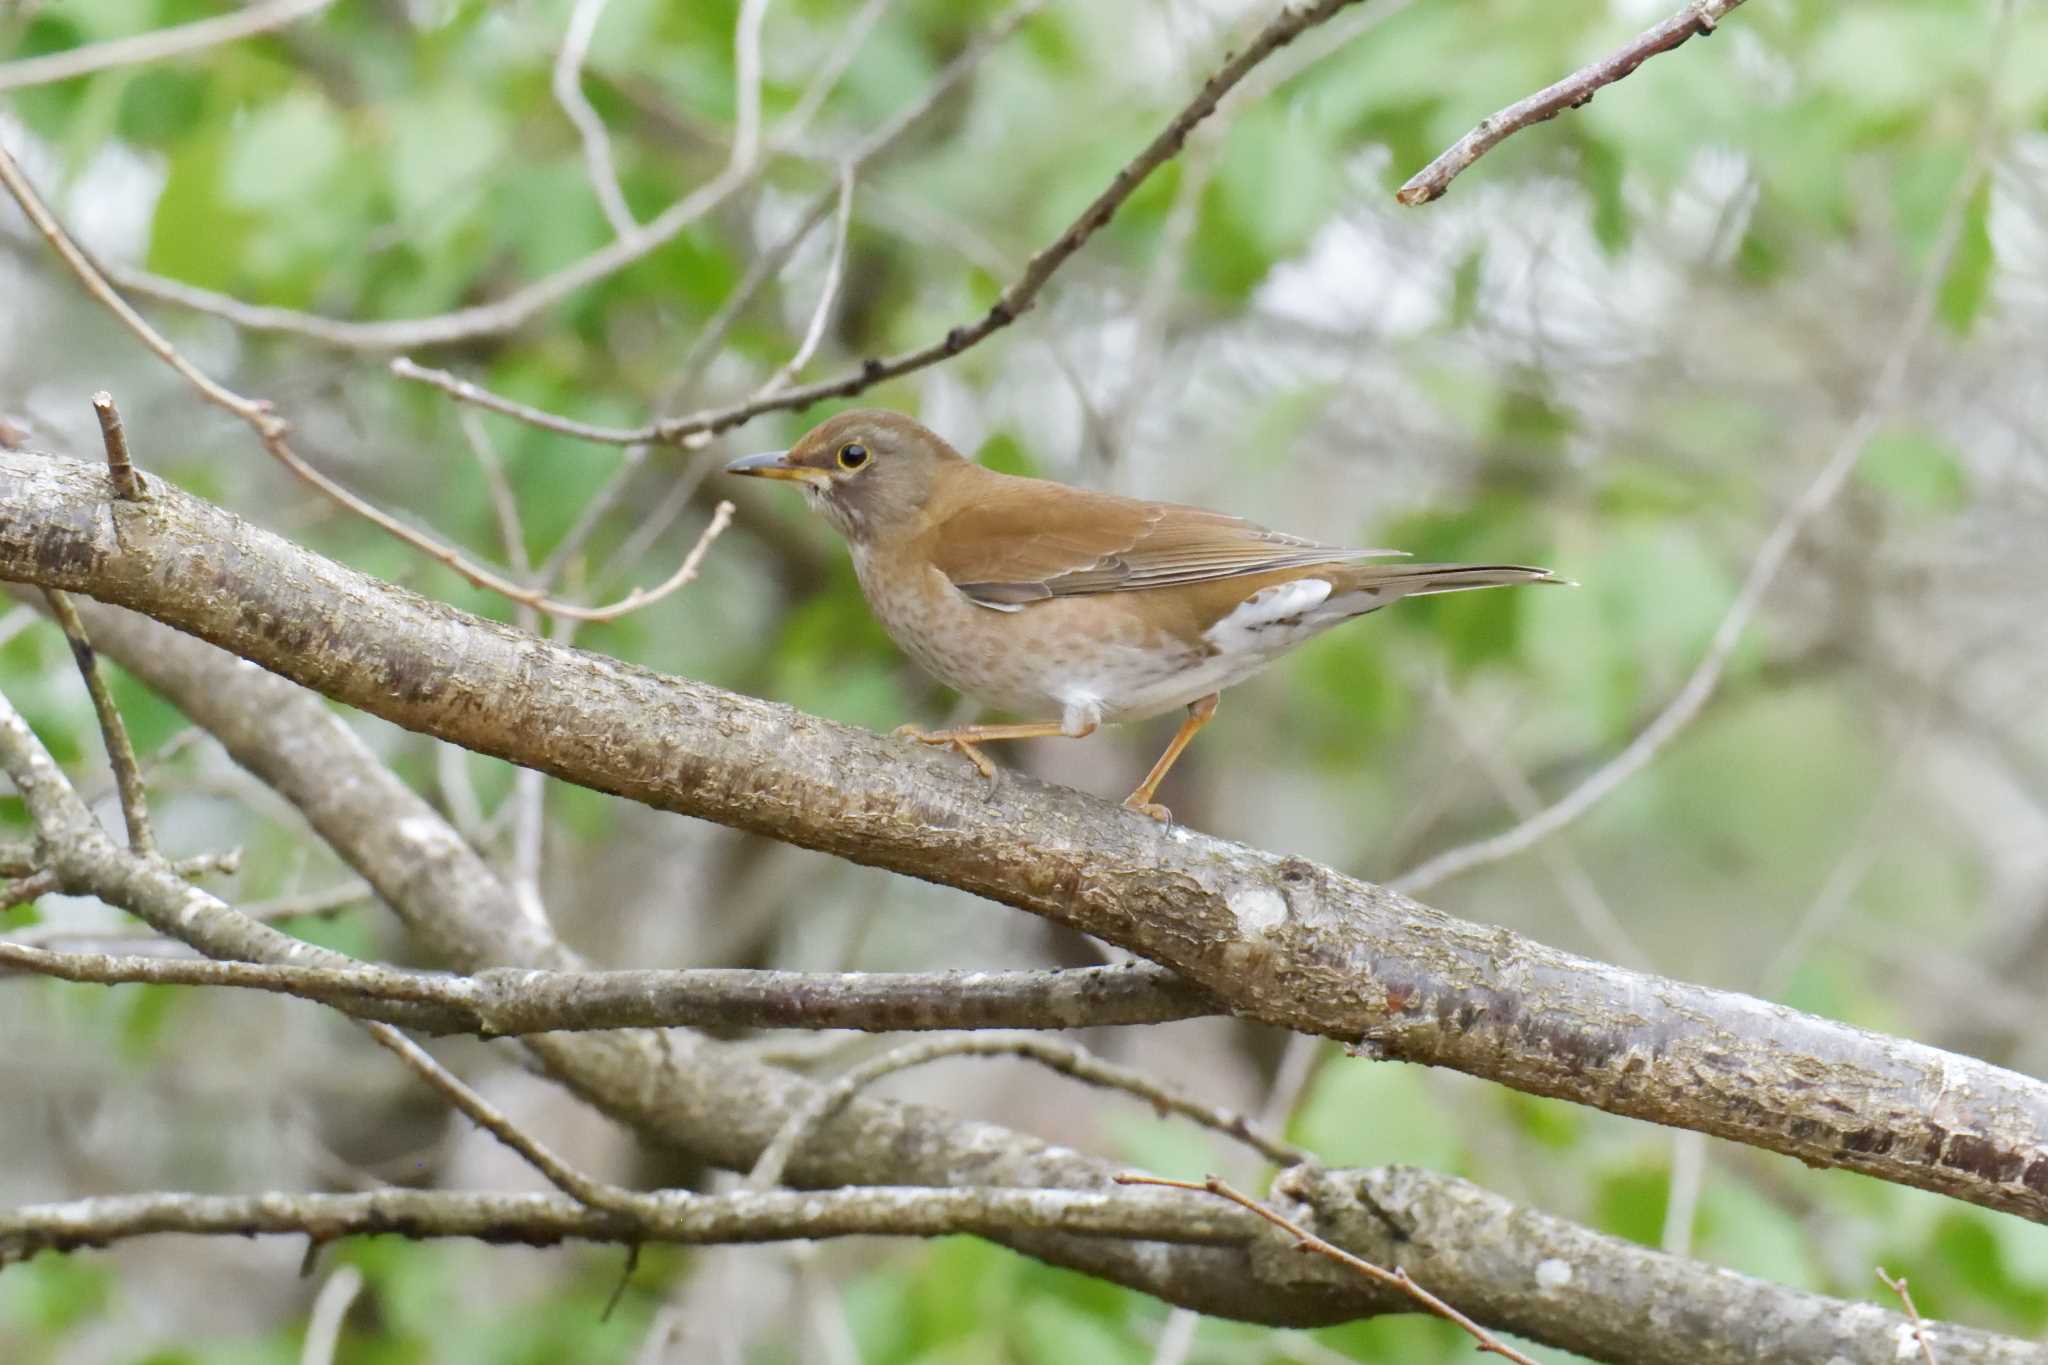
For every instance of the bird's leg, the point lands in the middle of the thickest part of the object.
(1199, 712)
(965, 739)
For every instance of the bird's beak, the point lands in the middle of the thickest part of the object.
(774, 464)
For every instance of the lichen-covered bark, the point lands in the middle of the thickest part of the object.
(1276, 938)
(1493, 1259)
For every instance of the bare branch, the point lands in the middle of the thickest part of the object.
(694, 428)
(271, 430)
(597, 142)
(1062, 1057)
(32, 885)
(676, 1217)
(157, 46)
(1700, 17)
(487, 1116)
(1259, 931)
(1507, 1265)
(1023, 293)
(330, 1307)
(1304, 1240)
(828, 295)
(509, 1002)
(120, 752)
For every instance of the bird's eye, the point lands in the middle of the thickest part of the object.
(852, 455)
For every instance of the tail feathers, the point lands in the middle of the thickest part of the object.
(1390, 581)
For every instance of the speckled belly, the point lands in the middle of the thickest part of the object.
(1082, 658)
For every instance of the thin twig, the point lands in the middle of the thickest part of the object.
(271, 430)
(828, 296)
(152, 47)
(685, 574)
(1062, 1057)
(464, 391)
(516, 1003)
(330, 1307)
(1692, 697)
(1023, 293)
(693, 428)
(597, 142)
(596, 1193)
(120, 752)
(746, 114)
(1304, 1240)
(504, 502)
(764, 267)
(1698, 18)
(669, 1216)
(838, 58)
(120, 468)
(37, 884)
(1921, 1335)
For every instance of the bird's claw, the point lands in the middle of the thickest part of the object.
(949, 740)
(1151, 808)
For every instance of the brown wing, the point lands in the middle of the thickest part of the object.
(1032, 540)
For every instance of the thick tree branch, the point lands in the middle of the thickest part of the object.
(1497, 1261)
(1277, 939)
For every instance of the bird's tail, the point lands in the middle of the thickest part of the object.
(1391, 581)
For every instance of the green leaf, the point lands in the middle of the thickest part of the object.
(1968, 282)
(54, 1291)
(1915, 470)
(197, 236)
(1364, 1113)
(283, 155)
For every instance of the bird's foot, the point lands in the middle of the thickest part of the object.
(958, 743)
(1151, 808)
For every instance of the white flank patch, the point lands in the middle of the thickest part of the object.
(1239, 632)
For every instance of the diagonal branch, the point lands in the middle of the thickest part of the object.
(716, 1102)
(158, 45)
(1016, 300)
(1700, 17)
(1274, 938)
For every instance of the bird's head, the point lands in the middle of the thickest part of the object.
(869, 472)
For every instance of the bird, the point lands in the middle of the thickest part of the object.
(1076, 608)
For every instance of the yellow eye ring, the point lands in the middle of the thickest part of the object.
(852, 455)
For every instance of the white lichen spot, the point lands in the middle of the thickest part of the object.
(425, 833)
(1258, 908)
(1906, 1342)
(1553, 1274)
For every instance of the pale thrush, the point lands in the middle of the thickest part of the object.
(1046, 600)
